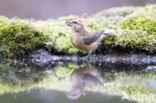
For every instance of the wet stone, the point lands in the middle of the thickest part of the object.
(43, 57)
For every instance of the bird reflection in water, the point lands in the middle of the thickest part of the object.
(82, 77)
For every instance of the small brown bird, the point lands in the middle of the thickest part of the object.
(83, 39)
(82, 77)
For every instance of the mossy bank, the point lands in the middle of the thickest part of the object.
(133, 27)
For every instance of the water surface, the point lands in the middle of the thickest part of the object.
(73, 83)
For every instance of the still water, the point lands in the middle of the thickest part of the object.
(52, 96)
(74, 83)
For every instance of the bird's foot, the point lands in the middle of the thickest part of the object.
(89, 54)
(78, 52)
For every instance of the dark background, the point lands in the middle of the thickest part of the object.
(44, 9)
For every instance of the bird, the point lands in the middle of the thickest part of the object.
(84, 40)
(82, 77)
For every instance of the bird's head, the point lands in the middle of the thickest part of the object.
(76, 26)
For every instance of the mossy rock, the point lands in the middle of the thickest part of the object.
(142, 19)
(135, 40)
(133, 27)
(138, 30)
(18, 37)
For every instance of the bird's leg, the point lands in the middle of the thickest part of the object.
(75, 57)
(89, 54)
(78, 52)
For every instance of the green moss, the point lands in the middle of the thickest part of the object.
(18, 37)
(135, 39)
(143, 19)
(138, 30)
(58, 33)
(133, 27)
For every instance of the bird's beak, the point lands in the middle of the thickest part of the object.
(69, 23)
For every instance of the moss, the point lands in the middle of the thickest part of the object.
(58, 33)
(18, 37)
(138, 29)
(143, 19)
(135, 39)
(133, 27)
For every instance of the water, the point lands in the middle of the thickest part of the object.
(73, 83)
(53, 96)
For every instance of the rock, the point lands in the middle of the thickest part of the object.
(42, 57)
(151, 67)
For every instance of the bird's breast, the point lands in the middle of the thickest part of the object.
(79, 43)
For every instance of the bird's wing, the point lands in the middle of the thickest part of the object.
(89, 39)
